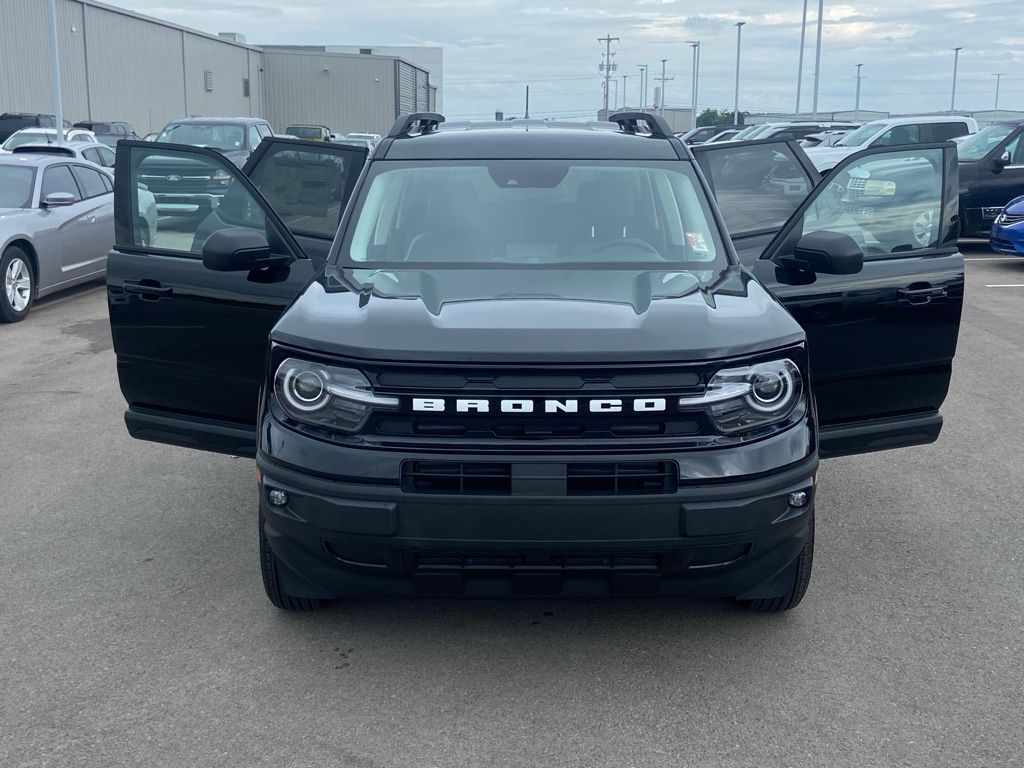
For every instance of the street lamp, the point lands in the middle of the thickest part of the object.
(625, 93)
(800, 65)
(817, 56)
(736, 104)
(856, 106)
(998, 76)
(643, 85)
(956, 61)
(695, 44)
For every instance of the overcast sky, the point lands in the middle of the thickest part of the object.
(493, 48)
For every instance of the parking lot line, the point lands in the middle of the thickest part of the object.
(993, 258)
(1006, 285)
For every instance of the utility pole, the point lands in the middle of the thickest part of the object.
(695, 44)
(817, 56)
(999, 76)
(663, 79)
(527, 115)
(800, 66)
(856, 106)
(607, 66)
(643, 85)
(55, 63)
(956, 61)
(736, 105)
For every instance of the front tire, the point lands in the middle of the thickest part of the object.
(797, 587)
(271, 568)
(17, 289)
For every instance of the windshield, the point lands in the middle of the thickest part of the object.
(748, 132)
(304, 132)
(16, 186)
(860, 136)
(21, 138)
(214, 135)
(534, 213)
(976, 146)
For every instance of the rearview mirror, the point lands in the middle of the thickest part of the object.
(827, 253)
(239, 249)
(58, 199)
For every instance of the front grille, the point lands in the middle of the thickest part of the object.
(578, 383)
(627, 478)
(1010, 218)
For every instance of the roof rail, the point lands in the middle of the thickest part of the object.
(426, 122)
(656, 124)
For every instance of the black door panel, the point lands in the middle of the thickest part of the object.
(191, 343)
(881, 341)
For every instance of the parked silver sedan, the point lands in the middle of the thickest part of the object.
(56, 227)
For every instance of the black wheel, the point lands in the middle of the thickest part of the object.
(798, 586)
(17, 286)
(271, 566)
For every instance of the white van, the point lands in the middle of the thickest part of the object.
(892, 132)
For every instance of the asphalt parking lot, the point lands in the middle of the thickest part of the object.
(134, 630)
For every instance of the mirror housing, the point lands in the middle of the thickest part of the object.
(58, 199)
(239, 249)
(827, 253)
(1002, 161)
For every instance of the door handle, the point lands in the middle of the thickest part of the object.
(90, 219)
(922, 295)
(146, 289)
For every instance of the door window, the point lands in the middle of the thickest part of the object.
(92, 155)
(264, 130)
(758, 187)
(889, 203)
(306, 186)
(194, 194)
(254, 137)
(899, 135)
(107, 157)
(1015, 149)
(90, 180)
(945, 131)
(58, 178)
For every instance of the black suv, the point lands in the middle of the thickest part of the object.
(12, 122)
(991, 175)
(523, 358)
(109, 132)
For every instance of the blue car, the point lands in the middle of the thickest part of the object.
(1008, 231)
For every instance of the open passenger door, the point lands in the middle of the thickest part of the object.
(881, 328)
(206, 258)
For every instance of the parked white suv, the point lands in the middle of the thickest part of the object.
(892, 132)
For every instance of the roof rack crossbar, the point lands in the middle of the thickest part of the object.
(656, 124)
(425, 122)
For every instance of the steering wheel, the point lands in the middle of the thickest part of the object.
(641, 245)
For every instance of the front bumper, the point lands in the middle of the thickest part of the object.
(170, 204)
(335, 536)
(1007, 239)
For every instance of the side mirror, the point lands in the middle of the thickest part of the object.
(58, 199)
(827, 253)
(1003, 160)
(238, 249)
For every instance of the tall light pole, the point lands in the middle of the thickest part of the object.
(625, 93)
(800, 66)
(956, 61)
(607, 66)
(999, 76)
(664, 80)
(643, 85)
(736, 103)
(856, 105)
(817, 56)
(55, 63)
(695, 44)
(615, 82)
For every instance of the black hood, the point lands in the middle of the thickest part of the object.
(536, 315)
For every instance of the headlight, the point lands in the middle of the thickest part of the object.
(745, 399)
(327, 396)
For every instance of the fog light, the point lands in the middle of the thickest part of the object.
(798, 499)
(279, 498)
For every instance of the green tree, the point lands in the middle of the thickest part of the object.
(718, 117)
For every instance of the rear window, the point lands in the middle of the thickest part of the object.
(534, 213)
(304, 132)
(945, 131)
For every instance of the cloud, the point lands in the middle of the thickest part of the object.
(493, 48)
